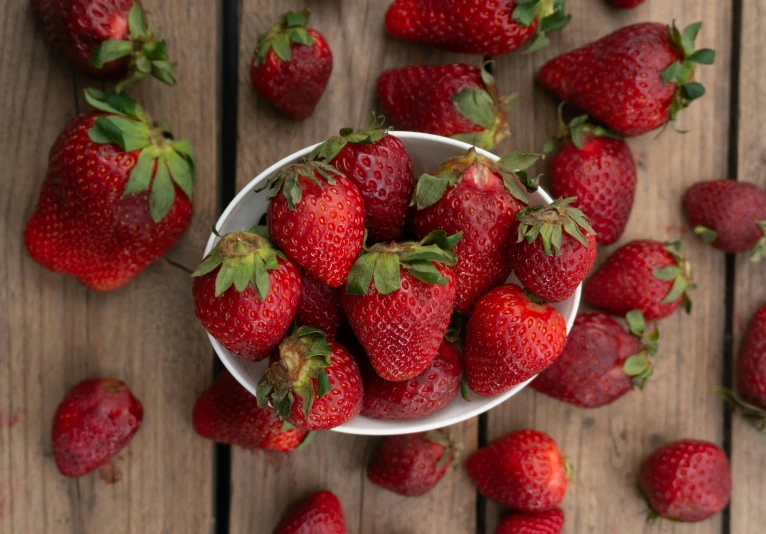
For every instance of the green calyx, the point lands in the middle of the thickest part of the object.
(707, 235)
(552, 16)
(754, 414)
(162, 161)
(576, 130)
(550, 222)
(681, 276)
(639, 366)
(288, 178)
(371, 133)
(443, 437)
(381, 264)
(291, 29)
(759, 250)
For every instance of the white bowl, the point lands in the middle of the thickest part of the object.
(427, 152)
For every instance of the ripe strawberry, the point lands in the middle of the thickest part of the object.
(253, 316)
(319, 307)
(317, 219)
(228, 413)
(686, 480)
(550, 522)
(476, 26)
(117, 195)
(313, 383)
(601, 362)
(401, 318)
(643, 275)
(627, 4)
(412, 464)
(321, 513)
(380, 167)
(458, 101)
(96, 419)
(511, 337)
(644, 74)
(106, 39)
(553, 266)
(291, 66)
(480, 198)
(523, 470)
(729, 215)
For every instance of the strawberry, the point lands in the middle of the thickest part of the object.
(95, 421)
(291, 66)
(523, 470)
(729, 215)
(643, 275)
(401, 318)
(380, 167)
(686, 480)
(412, 464)
(321, 513)
(106, 39)
(553, 266)
(644, 76)
(627, 4)
(228, 413)
(317, 219)
(480, 198)
(476, 26)
(458, 101)
(312, 383)
(550, 522)
(601, 362)
(319, 307)
(511, 337)
(116, 197)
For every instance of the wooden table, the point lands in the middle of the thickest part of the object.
(53, 332)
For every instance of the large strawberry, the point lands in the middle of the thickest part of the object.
(116, 197)
(633, 80)
(381, 168)
(550, 522)
(291, 65)
(398, 300)
(106, 39)
(319, 307)
(480, 198)
(321, 513)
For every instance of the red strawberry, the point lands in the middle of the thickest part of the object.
(96, 419)
(321, 513)
(319, 307)
(633, 80)
(643, 275)
(401, 318)
(106, 39)
(412, 464)
(476, 26)
(686, 480)
(553, 266)
(117, 195)
(427, 393)
(480, 198)
(728, 214)
(523, 470)
(228, 413)
(627, 4)
(380, 167)
(313, 383)
(510, 338)
(601, 362)
(550, 522)
(291, 66)
(253, 316)
(317, 219)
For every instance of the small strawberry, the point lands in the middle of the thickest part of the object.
(312, 383)
(643, 275)
(380, 167)
(291, 66)
(316, 217)
(686, 481)
(627, 4)
(550, 522)
(729, 215)
(401, 318)
(633, 80)
(319, 307)
(116, 197)
(511, 337)
(412, 464)
(523, 470)
(553, 266)
(228, 413)
(321, 513)
(480, 198)
(601, 362)
(96, 419)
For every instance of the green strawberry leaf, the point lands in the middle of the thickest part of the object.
(386, 274)
(110, 50)
(141, 174)
(163, 193)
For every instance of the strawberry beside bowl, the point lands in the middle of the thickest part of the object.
(427, 152)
